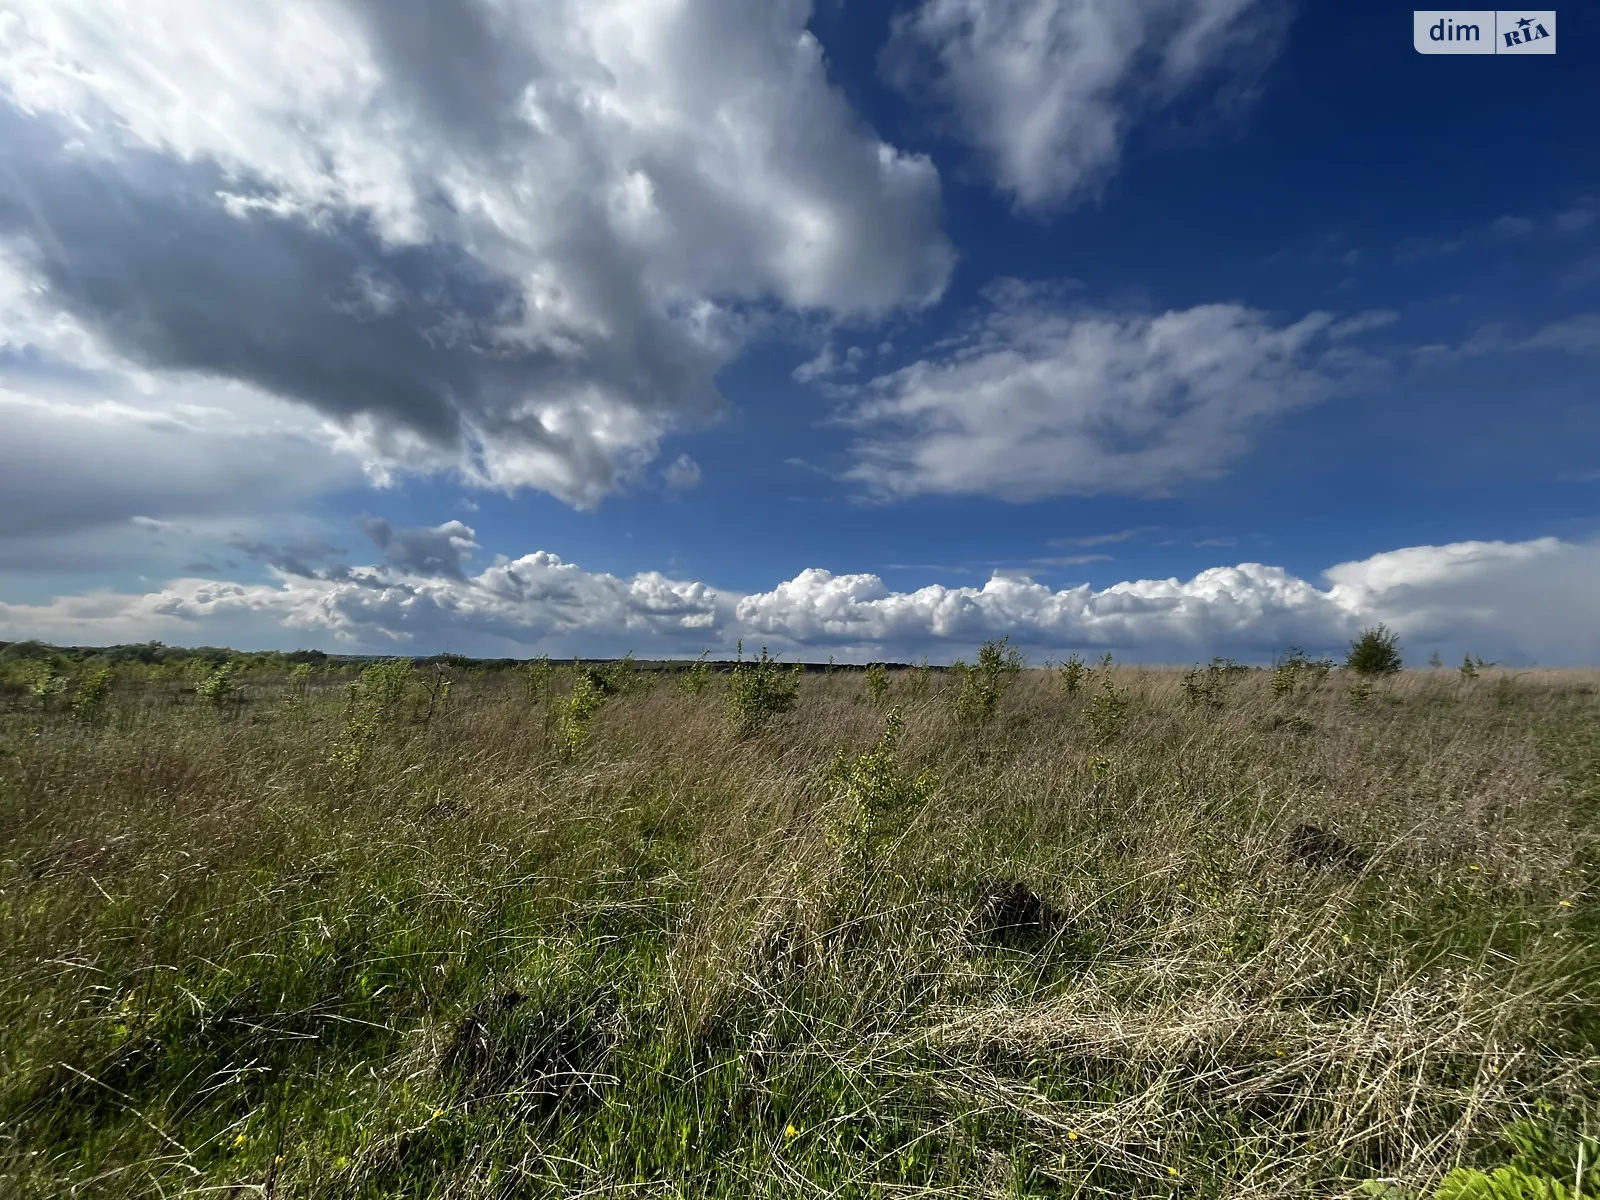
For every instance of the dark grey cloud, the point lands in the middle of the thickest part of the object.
(439, 551)
(146, 254)
(461, 64)
(88, 458)
(305, 557)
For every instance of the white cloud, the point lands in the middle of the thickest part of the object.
(535, 600)
(1577, 335)
(1047, 90)
(828, 362)
(516, 238)
(683, 473)
(1035, 400)
(1514, 602)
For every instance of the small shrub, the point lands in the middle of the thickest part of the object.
(587, 698)
(437, 689)
(1107, 710)
(217, 686)
(89, 701)
(698, 677)
(536, 678)
(374, 702)
(1295, 668)
(871, 791)
(1545, 1165)
(877, 681)
(1072, 674)
(1374, 652)
(1284, 678)
(1503, 1183)
(920, 678)
(1000, 659)
(982, 685)
(622, 678)
(760, 690)
(39, 680)
(1205, 685)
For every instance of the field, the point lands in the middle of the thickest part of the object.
(445, 931)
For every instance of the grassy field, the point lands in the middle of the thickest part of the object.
(563, 932)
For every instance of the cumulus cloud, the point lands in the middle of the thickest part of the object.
(1513, 602)
(516, 240)
(536, 601)
(1035, 400)
(1047, 90)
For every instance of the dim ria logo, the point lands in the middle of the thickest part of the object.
(1485, 32)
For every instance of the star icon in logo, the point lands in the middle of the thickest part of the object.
(1525, 22)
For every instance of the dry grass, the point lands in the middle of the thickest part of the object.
(478, 965)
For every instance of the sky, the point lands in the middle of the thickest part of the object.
(871, 330)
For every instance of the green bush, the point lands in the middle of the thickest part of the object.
(1547, 1163)
(1295, 668)
(588, 696)
(1107, 710)
(698, 677)
(536, 678)
(94, 689)
(1205, 685)
(871, 792)
(877, 681)
(218, 686)
(983, 685)
(374, 702)
(758, 690)
(1374, 652)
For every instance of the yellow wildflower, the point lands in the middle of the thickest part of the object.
(1564, 903)
(790, 1133)
(1173, 1171)
(1072, 1136)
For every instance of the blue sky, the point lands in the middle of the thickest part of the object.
(1173, 327)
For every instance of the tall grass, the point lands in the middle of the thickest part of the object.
(374, 936)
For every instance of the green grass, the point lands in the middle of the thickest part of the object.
(298, 939)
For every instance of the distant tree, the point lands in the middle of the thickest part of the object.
(1375, 652)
